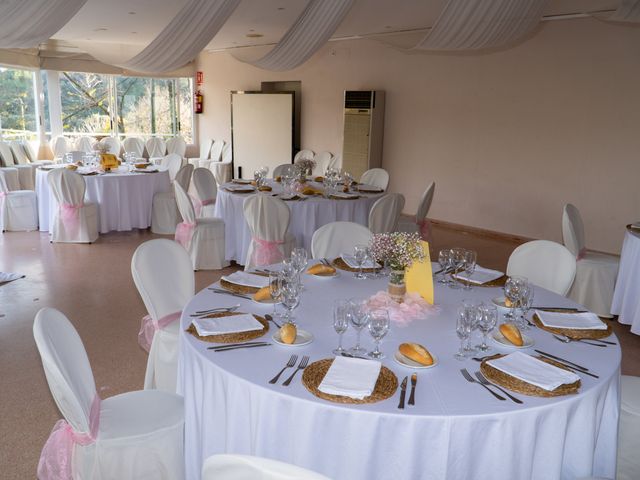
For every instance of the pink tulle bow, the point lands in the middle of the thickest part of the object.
(149, 327)
(57, 454)
(198, 204)
(70, 215)
(184, 233)
(425, 229)
(266, 252)
(412, 308)
(581, 253)
(3, 194)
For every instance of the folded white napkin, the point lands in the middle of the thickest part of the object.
(351, 377)
(9, 277)
(577, 321)
(480, 275)
(289, 196)
(351, 261)
(343, 195)
(247, 279)
(233, 187)
(231, 324)
(635, 225)
(533, 371)
(369, 188)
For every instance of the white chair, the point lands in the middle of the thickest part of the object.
(222, 170)
(377, 177)
(76, 155)
(323, 161)
(128, 436)
(19, 154)
(246, 467)
(333, 239)
(75, 221)
(26, 173)
(336, 161)
(268, 219)
(596, 273)
(60, 146)
(304, 155)
(421, 224)
(173, 163)
(112, 144)
(215, 155)
(203, 238)
(629, 433)
(545, 264)
(11, 178)
(163, 274)
(385, 213)
(280, 170)
(156, 147)
(134, 145)
(33, 156)
(177, 145)
(206, 192)
(85, 144)
(18, 208)
(203, 159)
(164, 212)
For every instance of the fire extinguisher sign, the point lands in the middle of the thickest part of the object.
(198, 99)
(199, 78)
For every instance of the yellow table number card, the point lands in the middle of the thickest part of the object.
(419, 277)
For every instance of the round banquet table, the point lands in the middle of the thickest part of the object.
(306, 217)
(626, 297)
(124, 198)
(455, 431)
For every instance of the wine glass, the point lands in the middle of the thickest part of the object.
(526, 301)
(444, 259)
(359, 317)
(378, 327)
(340, 322)
(469, 266)
(290, 299)
(463, 330)
(299, 260)
(275, 289)
(360, 255)
(457, 262)
(513, 290)
(487, 322)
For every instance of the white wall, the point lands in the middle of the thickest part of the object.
(508, 137)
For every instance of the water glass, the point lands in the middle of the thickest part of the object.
(378, 327)
(463, 330)
(275, 289)
(457, 263)
(340, 322)
(513, 290)
(359, 317)
(487, 322)
(526, 301)
(290, 300)
(469, 266)
(360, 253)
(444, 259)
(299, 260)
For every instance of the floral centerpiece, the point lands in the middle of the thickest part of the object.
(305, 167)
(398, 250)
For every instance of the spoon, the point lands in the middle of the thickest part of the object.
(269, 318)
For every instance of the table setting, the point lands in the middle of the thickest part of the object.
(346, 362)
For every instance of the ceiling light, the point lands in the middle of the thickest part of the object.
(101, 29)
(254, 35)
(280, 8)
(132, 13)
(135, 33)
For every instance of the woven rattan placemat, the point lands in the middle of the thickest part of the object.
(231, 337)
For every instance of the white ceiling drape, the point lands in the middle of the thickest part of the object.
(628, 11)
(482, 24)
(27, 23)
(313, 28)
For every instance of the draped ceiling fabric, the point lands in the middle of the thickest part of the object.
(628, 11)
(312, 30)
(482, 24)
(27, 23)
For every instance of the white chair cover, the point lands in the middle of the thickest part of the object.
(177, 145)
(164, 213)
(421, 224)
(596, 273)
(156, 147)
(19, 154)
(545, 264)
(173, 163)
(629, 434)
(336, 161)
(385, 213)
(59, 146)
(203, 238)
(333, 239)
(268, 220)
(130, 436)
(134, 145)
(26, 172)
(245, 467)
(304, 155)
(206, 190)
(75, 221)
(323, 161)
(76, 155)
(378, 177)
(6, 155)
(280, 169)
(204, 150)
(85, 144)
(163, 275)
(11, 178)
(216, 150)
(112, 144)
(18, 208)
(222, 170)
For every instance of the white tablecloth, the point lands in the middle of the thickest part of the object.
(455, 431)
(124, 199)
(306, 217)
(626, 297)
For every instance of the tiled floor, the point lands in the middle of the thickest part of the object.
(92, 285)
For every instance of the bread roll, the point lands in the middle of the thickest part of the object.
(417, 353)
(318, 179)
(511, 333)
(264, 188)
(508, 303)
(262, 295)
(279, 178)
(321, 269)
(309, 191)
(288, 333)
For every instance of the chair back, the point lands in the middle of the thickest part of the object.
(227, 153)
(19, 154)
(183, 177)
(573, 230)
(59, 146)
(68, 187)
(385, 213)
(268, 217)
(85, 144)
(11, 179)
(205, 149)
(323, 161)
(333, 239)
(185, 207)
(280, 170)
(425, 202)
(545, 264)
(156, 147)
(66, 367)
(378, 177)
(112, 144)
(4, 186)
(205, 184)
(243, 467)
(163, 274)
(76, 155)
(304, 155)
(29, 152)
(134, 145)
(173, 163)
(6, 155)
(216, 150)
(177, 145)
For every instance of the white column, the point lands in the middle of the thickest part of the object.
(39, 101)
(55, 105)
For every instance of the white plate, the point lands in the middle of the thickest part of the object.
(240, 181)
(500, 339)
(302, 338)
(499, 302)
(407, 362)
(271, 301)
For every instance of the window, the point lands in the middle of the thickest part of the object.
(85, 103)
(17, 105)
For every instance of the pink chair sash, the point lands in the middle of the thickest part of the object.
(149, 327)
(266, 252)
(425, 229)
(581, 253)
(198, 204)
(70, 215)
(184, 233)
(57, 453)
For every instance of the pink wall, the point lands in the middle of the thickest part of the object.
(508, 137)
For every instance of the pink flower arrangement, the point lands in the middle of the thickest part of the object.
(400, 249)
(412, 308)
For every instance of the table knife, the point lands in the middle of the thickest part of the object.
(239, 347)
(561, 360)
(217, 290)
(403, 390)
(412, 395)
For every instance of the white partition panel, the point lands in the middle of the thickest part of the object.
(262, 130)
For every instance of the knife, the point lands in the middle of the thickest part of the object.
(412, 396)
(403, 390)
(227, 345)
(564, 309)
(562, 360)
(239, 346)
(217, 290)
(577, 370)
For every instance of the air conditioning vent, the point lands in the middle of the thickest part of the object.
(359, 99)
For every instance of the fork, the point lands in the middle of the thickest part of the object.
(470, 379)
(569, 340)
(483, 380)
(292, 361)
(301, 366)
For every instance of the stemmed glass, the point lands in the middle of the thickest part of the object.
(463, 330)
(360, 255)
(513, 289)
(444, 259)
(290, 296)
(526, 301)
(457, 262)
(378, 328)
(275, 289)
(340, 322)
(359, 317)
(469, 266)
(299, 260)
(487, 322)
